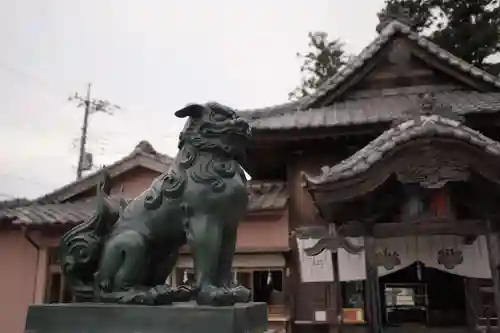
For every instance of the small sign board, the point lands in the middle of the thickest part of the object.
(320, 315)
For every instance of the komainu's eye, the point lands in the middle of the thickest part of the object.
(214, 116)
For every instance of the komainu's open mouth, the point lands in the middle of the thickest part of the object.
(243, 128)
(237, 126)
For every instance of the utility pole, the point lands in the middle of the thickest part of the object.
(91, 106)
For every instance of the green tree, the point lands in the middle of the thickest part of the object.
(320, 63)
(470, 29)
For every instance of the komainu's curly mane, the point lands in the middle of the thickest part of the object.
(80, 248)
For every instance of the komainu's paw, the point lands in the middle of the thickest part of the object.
(211, 295)
(162, 294)
(134, 297)
(241, 294)
(183, 293)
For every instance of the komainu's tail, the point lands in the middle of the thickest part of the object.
(80, 248)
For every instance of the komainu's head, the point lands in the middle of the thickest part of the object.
(213, 126)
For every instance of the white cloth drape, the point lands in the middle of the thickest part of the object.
(314, 269)
(352, 266)
(424, 249)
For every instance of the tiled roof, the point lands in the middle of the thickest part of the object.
(263, 196)
(383, 108)
(301, 114)
(143, 154)
(146, 148)
(422, 126)
(14, 203)
(382, 39)
(50, 214)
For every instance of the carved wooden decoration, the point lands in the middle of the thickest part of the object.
(328, 240)
(432, 169)
(450, 258)
(387, 259)
(428, 105)
(333, 244)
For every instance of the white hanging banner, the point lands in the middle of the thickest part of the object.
(451, 255)
(314, 268)
(446, 253)
(352, 266)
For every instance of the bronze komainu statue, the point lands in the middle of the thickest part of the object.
(125, 252)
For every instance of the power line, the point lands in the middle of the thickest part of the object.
(92, 105)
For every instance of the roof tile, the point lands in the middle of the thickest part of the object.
(413, 128)
(263, 196)
(374, 110)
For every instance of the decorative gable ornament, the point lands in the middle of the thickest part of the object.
(426, 109)
(450, 258)
(429, 105)
(394, 12)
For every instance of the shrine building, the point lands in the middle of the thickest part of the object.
(394, 165)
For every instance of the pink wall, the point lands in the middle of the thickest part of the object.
(129, 184)
(18, 259)
(255, 233)
(133, 182)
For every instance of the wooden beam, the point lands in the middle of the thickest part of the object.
(265, 214)
(493, 246)
(394, 76)
(372, 290)
(265, 137)
(401, 229)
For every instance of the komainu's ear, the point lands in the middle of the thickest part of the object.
(192, 110)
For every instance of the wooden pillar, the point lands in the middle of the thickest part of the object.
(372, 289)
(493, 244)
(41, 275)
(336, 292)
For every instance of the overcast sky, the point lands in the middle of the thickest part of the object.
(151, 57)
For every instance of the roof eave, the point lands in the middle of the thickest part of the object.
(137, 159)
(266, 213)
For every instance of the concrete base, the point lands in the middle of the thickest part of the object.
(177, 318)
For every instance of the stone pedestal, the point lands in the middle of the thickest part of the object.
(177, 318)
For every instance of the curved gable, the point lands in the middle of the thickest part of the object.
(429, 149)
